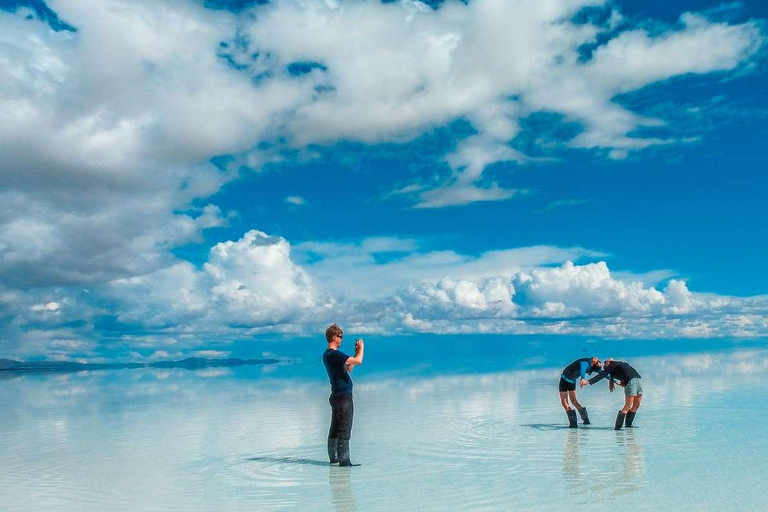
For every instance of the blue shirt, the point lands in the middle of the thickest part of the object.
(334, 361)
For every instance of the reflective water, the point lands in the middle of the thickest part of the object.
(254, 439)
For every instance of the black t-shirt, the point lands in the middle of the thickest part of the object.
(618, 370)
(341, 383)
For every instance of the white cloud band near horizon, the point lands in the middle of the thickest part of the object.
(254, 287)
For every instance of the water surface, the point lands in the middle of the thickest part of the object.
(254, 439)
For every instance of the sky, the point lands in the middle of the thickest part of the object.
(177, 175)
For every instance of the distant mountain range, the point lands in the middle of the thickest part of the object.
(191, 363)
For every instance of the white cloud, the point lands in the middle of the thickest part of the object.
(574, 299)
(359, 271)
(560, 203)
(108, 131)
(377, 285)
(297, 200)
(251, 282)
(584, 290)
(51, 306)
(488, 62)
(212, 354)
(256, 279)
(450, 299)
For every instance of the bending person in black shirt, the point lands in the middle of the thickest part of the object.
(624, 375)
(338, 365)
(567, 387)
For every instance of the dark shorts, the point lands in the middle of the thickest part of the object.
(342, 411)
(566, 386)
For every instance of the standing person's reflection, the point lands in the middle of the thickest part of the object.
(341, 489)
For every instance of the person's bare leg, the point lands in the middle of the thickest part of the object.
(628, 402)
(633, 411)
(574, 401)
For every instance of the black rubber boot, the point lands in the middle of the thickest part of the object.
(630, 419)
(619, 420)
(584, 416)
(333, 445)
(343, 451)
(572, 418)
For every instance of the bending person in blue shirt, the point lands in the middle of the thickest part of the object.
(621, 373)
(339, 365)
(567, 387)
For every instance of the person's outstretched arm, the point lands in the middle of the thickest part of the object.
(597, 378)
(357, 358)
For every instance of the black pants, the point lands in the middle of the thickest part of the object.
(342, 411)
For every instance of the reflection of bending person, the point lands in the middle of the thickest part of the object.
(567, 387)
(338, 365)
(632, 472)
(624, 375)
(572, 460)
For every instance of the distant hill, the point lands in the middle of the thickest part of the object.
(191, 363)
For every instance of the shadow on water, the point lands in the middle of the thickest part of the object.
(560, 426)
(289, 460)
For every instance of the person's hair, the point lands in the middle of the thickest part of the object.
(331, 331)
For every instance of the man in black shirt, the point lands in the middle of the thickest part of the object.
(567, 387)
(624, 375)
(338, 365)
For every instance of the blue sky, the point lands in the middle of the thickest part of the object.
(180, 175)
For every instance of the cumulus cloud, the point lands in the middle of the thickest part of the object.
(248, 282)
(375, 268)
(260, 284)
(582, 290)
(451, 299)
(574, 299)
(256, 278)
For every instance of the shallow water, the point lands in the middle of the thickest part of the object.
(254, 439)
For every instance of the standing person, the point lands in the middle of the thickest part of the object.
(338, 365)
(567, 387)
(624, 375)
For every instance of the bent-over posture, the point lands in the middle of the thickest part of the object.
(567, 387)
(624, 375)
(338, 365)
